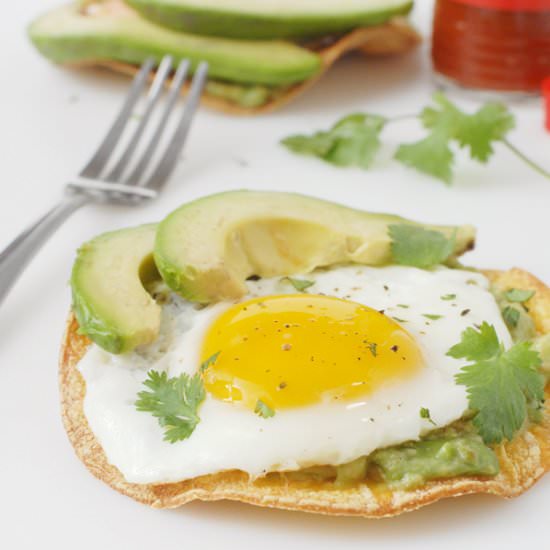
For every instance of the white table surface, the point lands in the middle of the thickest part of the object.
(51, 120)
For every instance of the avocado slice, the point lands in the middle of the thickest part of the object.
(206, 249)
(109, 30)
(110, 302)
(252, 19)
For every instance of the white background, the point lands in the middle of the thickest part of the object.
(51, 120)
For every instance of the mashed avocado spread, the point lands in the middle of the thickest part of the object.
(411, 464)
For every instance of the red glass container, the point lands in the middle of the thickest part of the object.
(496, 45)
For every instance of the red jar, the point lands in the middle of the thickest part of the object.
(500, 45)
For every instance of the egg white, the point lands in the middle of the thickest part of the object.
(231, 437)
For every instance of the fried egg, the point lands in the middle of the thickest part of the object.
(346, 366)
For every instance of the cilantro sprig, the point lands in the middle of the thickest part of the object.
(419, 247)
(355, 139)
(477, 132)
(173, 401)
(502, 385)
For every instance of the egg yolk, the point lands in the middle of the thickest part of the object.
(300, 349)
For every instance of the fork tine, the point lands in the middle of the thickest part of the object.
(177, 83)
(97, 163)
(168, 161)
(153, 96)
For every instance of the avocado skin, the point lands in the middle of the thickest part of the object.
(250, 26)
(98, 312)
(96, 328)
(67, 35)
(205, 249)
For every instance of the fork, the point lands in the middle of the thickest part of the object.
(122, 184)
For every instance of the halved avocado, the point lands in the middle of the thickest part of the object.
(109, 30)
(109, 300)
(206, 249)
(254, 19)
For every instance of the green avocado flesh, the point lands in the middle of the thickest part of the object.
(104, 30)
(206, 249)
(521, 326)
(242, 94)
(110, 302)
(411, 464)
(542, 345)
(254, 19)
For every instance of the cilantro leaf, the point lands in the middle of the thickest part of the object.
(419, 247)
(477, 131)
(430, 155)
(526, 360)
(355, 139)
(511, 316)
(299, 284)
(210, 361)
(476, 345)
(352, 141)
(501, 385)
(174, 402)
(425, 413)
(518, 295)
(432, 316)
(263, 410)
(448, 297)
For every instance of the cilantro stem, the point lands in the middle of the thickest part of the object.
(526, 159)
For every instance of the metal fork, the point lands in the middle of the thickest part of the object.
(97, 182)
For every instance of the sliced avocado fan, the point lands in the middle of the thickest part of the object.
(206, 249)
(96, 30)
(110, 302)
(254, 19)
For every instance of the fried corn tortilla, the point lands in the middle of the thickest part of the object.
(522, 461)
(392, 38)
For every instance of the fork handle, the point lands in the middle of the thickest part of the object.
(15, 257)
